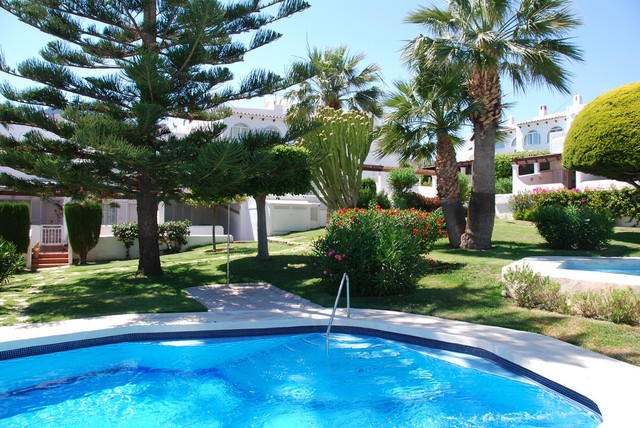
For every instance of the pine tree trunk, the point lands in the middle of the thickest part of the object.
(149, 262)
(484, 87)
(263, 244)
(449, 189)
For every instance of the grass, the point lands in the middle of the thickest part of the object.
(461, 285)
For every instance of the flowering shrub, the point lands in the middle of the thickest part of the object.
(381, 250)
(127, 233)
(620, 203)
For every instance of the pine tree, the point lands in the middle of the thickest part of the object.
(151, 60)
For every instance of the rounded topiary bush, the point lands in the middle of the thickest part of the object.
(573, 227)
(604, 138)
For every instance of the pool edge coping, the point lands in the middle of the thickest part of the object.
(594, 376)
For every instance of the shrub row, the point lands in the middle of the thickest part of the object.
(381, 250)
(531, 290)
(172, 233)
(620, 203)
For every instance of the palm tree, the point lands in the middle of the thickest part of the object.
(524, 40)
(337, 83)
(432, 107)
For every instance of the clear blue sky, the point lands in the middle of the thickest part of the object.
(609, 36)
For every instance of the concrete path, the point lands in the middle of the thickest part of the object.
(248, 297)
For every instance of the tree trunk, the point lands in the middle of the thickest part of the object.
(263, 244)
(83, 257)
(149, 262)
(484, 87)
(449, 189)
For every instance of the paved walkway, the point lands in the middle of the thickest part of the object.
(248, 297)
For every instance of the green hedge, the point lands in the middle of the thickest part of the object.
(620, 203)
(15, 222)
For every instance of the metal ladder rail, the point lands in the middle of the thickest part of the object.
(345, 277)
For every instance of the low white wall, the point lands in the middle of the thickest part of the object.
(109, 248)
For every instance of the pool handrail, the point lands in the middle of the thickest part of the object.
(345, 278)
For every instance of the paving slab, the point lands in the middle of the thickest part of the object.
(248, 297)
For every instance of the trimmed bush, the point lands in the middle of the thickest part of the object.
(367, 193)
(174, 235)
(381, 250)
(127, 233)
(574, 227)
(11, 260)
(15, 222)
(83, 225)
(401, 181)
(604, 138)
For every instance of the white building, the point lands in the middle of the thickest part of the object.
(238, 221)
(543, 133)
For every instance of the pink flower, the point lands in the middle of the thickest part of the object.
(326, 272)
(330, 252)
(339, 257)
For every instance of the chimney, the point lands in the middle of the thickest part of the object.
(542, 110)
(577, 100)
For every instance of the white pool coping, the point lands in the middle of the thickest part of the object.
(578, 280)
(611, 384)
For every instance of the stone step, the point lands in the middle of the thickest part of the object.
(49, 259)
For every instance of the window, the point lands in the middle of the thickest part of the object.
(532, 139)
(525, 169)
(551, 131)
(238, 130)
(109, 214)
(513, 143)
(545, 166)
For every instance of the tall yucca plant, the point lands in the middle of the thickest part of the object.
(522, 40)
(338, 147)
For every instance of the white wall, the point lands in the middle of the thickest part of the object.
(109, 248)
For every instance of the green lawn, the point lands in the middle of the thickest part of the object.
(461, 285)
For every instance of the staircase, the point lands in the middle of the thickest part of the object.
(50, 256)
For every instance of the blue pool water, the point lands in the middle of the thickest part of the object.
(624, 267)
(274, 381)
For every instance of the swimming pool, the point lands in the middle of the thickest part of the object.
(585, 273)
(281, 380)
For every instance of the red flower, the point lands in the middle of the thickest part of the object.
(414, 231)
(439, 221)
(412, 209)
(378, 208)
